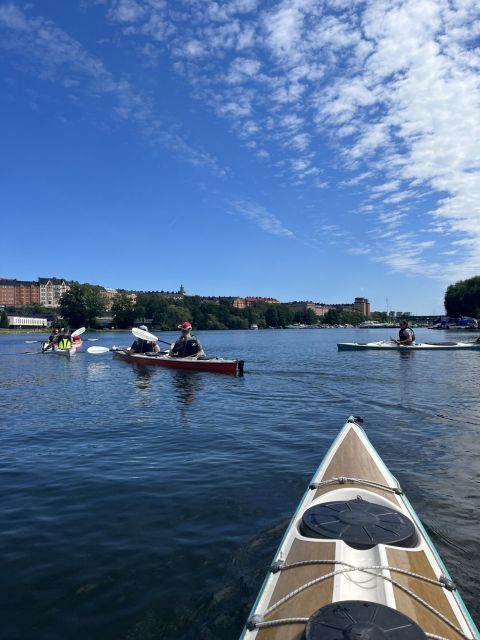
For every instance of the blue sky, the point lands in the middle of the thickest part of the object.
(301, 149)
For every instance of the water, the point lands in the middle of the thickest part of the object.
(148, 503)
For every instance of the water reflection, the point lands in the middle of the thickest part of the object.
(186, 385)
(143, 377)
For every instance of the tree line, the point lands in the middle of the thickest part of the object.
(83, 304)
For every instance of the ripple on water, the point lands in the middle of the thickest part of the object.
(143, 503)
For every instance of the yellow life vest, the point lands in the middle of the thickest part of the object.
(65, 343)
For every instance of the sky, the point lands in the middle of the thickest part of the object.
(300, 149)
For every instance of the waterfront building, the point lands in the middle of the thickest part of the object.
(242, 303)
(51, 290)
(318, 308)
(15, 292)
(18, 322)
(362, 305)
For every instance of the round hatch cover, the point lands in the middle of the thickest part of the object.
(359, 620)
(359, 523)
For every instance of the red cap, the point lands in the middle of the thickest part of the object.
(185, 325)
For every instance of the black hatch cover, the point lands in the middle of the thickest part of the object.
(359, 620)
(359, 523)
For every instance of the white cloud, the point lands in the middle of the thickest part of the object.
(261, 217)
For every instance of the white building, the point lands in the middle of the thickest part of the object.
(17, 322)
(51, 290)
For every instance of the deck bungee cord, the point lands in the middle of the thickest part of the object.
(445, 583)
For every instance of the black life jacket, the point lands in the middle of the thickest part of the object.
(184, 348)
(142, 346)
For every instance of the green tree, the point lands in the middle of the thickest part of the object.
(463, 298)
(95, 303)
(82, 304)
(4, 320)
(335, 316)
(73, 306)
(123, 311)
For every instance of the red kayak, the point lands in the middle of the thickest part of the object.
(216, 365)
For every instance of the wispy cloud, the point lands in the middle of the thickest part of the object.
(391, 89)
(385, 91)
(53, 55)
(263, 218)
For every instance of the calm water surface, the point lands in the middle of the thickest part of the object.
(143, 504)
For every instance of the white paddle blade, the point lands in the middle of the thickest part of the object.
(78, 332)
(97, 350)
(144, 335)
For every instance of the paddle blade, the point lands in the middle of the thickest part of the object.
(144, 335)
(78, 332)
(98, 350)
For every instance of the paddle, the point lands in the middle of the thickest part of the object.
(97, 350)
(78, 332)
(146, 335)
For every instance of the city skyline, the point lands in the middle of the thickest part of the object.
(286, 150)
(16, 292)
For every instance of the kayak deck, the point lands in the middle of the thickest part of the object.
(310, 573)
(419, 346)
(215, 365)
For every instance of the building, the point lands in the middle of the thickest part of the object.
(362, 305)
(318, 308)
(51, 290)
(7, 291)
(15, 292)
(111, 293)
(238, 303)
(241, 303)
(17, 322)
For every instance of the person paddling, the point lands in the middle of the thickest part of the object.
(406, 335)
(52, 341)
(64, 340)
(187, 345)
(143, 346)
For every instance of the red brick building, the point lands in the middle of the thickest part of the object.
(18, 292)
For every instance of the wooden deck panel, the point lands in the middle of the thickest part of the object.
(353, 460)
(307, 602)
(417, 562)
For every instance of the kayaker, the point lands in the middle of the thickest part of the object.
(406, 335)
(52, 341)
(143, 346)
(187, 345)
(64, 340)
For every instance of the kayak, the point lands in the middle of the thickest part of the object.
(388, 345)
(216, 365)
(67, 353)
(356, 562)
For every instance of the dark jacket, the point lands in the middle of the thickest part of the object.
(142, 346)
(185, 347)
(405, 333)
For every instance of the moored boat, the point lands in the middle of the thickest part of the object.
(215, 365)
(355, 562)
(388, 345)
